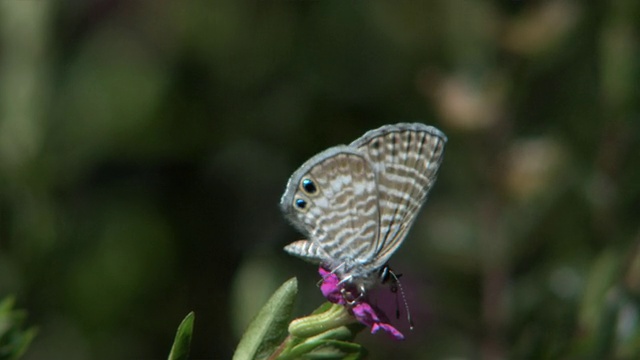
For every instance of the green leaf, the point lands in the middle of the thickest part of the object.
(14, 340)
(598, 294)
(340, 335)
(182, 342)
(333, 316)
(336, 350)
(22, 342)
(269, 327)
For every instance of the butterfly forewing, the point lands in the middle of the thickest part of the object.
(339, 211)
(406, 158)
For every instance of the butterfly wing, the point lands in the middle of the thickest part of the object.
(307, 250)
(405, 158)
(332, 198)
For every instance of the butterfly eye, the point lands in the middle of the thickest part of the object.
(309, 186)
(300, 203)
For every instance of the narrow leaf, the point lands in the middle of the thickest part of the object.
(182, 342)
(267, 330)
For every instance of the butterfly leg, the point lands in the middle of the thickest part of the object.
(349, 294)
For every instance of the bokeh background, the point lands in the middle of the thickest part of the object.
(144, 147)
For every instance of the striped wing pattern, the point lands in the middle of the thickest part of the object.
(366, 197)
(341, 216)
(307, 250)
(406, 158)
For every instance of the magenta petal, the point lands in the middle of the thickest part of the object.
(330, 287)
(324, 272)
(367, 315)
(389, 329)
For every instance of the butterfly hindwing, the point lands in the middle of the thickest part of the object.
(307, 250)
(332, 199)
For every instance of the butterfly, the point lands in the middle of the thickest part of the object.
(356, 203)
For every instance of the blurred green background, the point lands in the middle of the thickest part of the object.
(144, 147)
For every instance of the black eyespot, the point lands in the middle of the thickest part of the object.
(300, 203)
(309, 186)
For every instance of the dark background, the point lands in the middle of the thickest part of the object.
(144, 147)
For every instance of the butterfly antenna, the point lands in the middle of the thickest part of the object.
(395, 291)
(404, 300)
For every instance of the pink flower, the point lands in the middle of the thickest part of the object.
(363, 311)
(330, 287)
